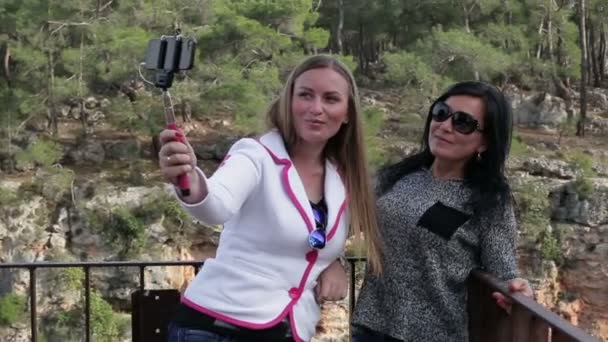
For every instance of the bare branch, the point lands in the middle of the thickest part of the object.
(62, 25)
(106, 5)
(318, 6)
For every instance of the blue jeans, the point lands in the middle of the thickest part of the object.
(179, 334)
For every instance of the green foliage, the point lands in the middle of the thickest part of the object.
(145, 116)
(106, 325)
(583, 164)
(54, 184)
(316, 37)
(41, 152)
(459, 55)
(518, 146)
(13, 309)
(584, 187)
(72, 278)
(245, 95)
(163, 205)
(125, 229)
(372, 119)
(175, 220)
(7, 196)
(120, 227)
(532, 208)
(551, 248)
(410, 70)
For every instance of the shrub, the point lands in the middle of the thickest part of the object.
(12, 309)
(106, 325)
(41, 152)
(372, 122)
(582, 163)
(7, 196)
(551, 247)
(518, 146)
(532, 208)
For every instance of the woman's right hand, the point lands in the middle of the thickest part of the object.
(176, 158)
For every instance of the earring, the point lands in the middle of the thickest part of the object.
(478, 156)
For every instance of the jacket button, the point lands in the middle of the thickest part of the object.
(294, 293)
(312, 256)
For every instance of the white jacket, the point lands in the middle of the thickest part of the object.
(264, 268)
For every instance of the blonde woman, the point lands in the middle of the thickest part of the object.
(288, 201)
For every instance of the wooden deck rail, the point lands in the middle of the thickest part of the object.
(528, 321)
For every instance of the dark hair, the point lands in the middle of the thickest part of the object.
(486, 177)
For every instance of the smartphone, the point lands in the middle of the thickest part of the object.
(170, 53)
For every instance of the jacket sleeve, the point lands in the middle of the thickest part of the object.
(499, 243)
(231, 184)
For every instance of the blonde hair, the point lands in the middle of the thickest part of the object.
(346, 149)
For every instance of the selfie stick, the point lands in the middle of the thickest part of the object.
(166, 60)
(182, 180)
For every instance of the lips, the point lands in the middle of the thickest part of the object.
(443, 139)
(316, 122)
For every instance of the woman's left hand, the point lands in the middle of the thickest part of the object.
(332, 284)
(517, 285)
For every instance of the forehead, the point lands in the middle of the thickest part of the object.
(469, 104)
(322, 80)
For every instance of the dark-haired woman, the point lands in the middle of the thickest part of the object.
(443, 212)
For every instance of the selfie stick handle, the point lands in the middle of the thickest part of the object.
(182, 180)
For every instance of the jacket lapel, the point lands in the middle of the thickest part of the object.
(334, 191)
(292, 183)
(335, 197)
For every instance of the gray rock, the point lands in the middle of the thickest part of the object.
(89, 153)
(548, 168)
(123, 150)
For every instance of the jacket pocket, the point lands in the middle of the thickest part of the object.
(443, 220)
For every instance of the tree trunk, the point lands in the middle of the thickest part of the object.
(51, 112)
(97, 8)
(362, 62)
(580, 126)
(560, 48)
(539, 48)
(588, 33)
(340, 26)
(602, 56)
(467, 18)
(593, 53)
(550, 28)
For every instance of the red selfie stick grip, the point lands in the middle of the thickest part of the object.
(182, 180)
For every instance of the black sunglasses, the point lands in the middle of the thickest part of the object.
(462, 122)
(317, 238)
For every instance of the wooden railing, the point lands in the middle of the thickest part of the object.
(527, 322)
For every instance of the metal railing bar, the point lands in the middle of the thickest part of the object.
(537, 318)
(33, 308)
(99, 264)
(87, 303)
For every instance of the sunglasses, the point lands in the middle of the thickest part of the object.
(462, 122)
(317, 238)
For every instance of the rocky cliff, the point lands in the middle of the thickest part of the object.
(104, 200)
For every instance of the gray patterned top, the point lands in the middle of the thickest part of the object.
(422, 294)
